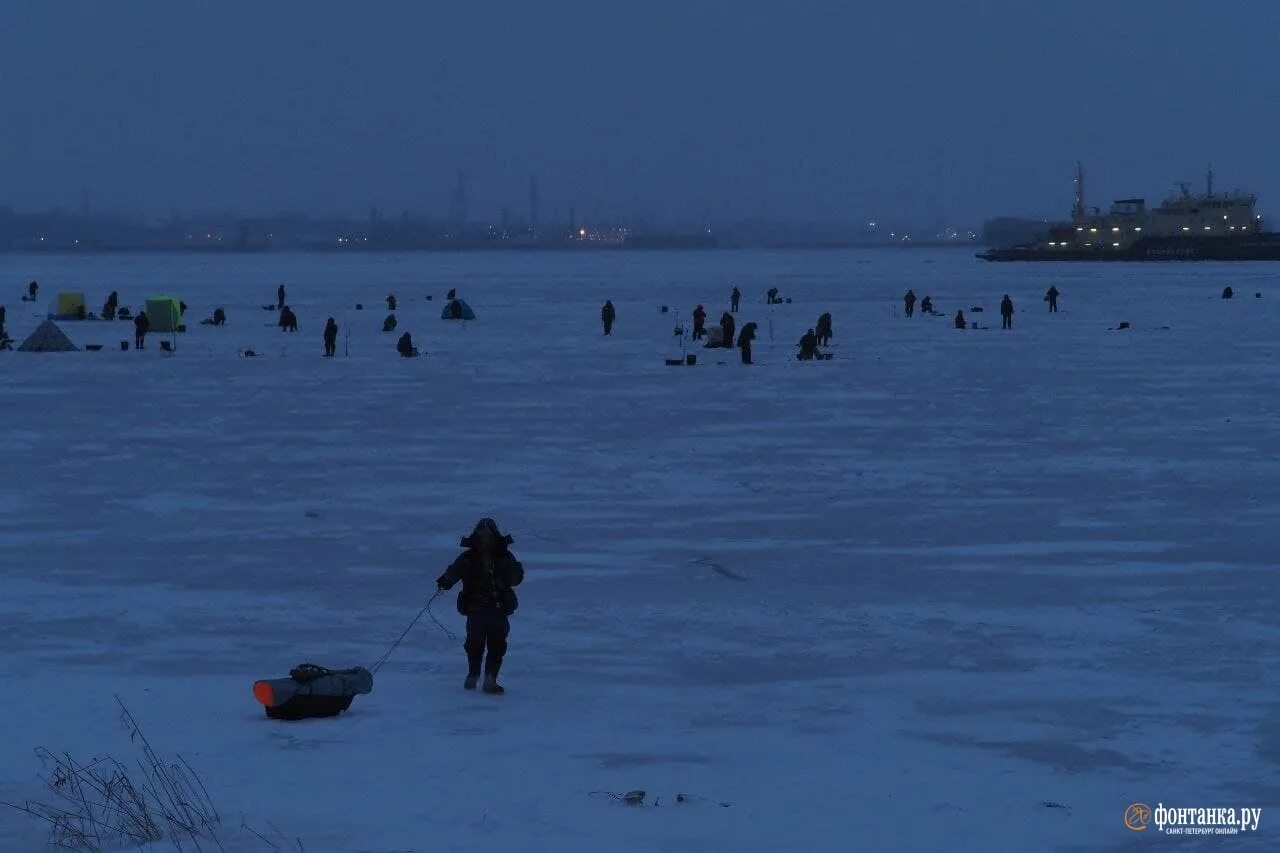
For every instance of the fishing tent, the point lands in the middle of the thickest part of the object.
(68, 306)
(165, 313)
(456, 309)
(48, 338)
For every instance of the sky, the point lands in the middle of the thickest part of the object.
(794, 111)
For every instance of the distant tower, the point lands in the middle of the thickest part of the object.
(1078, 211)
(460, 203)
(533, 204)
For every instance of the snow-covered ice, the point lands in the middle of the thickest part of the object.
(895, 601)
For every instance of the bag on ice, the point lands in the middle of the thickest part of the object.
(312, 691)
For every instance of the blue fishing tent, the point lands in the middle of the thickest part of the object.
(456, 309)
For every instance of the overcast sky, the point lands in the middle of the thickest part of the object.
(793, 110)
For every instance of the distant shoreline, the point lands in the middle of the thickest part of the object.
(436, 250)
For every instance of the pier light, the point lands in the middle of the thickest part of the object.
(1116, 229)
(1079, 227)
(1115, 245)
(1206, 228)
(1186, 227)
(1088, 244)
(1137, 228)
(1093, 230)
(1051, 243)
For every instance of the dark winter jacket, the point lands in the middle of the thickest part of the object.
(808, 346)
(141, 325)
(824, 325)
(1006, 307)
(747, 335)
(699, 317)
(484, 587)
(727, 324)
(607, 314)
(330, 332)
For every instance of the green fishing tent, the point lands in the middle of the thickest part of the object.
(165, 313)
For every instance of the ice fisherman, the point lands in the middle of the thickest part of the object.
(727, 326)
(699, 323)
(405, 346)
(823, 329)
(926, 305)
(141, 325)
(489, 573)
(280, 298)
(389, 324)
(734, 298)
(330, 338)
(391, 302)
(607, 316)
(960, 321)
(109, 309)
(219, 316)
(910, 302)
(32, 289)
(1051, 296)
(288, 320)
(1227, 292)
(772, 295)
(1006, 312)
(808, 346)
(745, 337)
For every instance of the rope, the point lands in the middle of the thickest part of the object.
(426, 608)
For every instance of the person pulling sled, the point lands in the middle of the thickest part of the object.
(489, 573)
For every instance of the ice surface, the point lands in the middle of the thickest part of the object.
(895, 601)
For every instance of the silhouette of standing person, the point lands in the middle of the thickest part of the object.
(280, 298)
(141, 325)
(745, 337)
(699, 323)
(1052, 298)
(330, 338)
(734, 298)
(910, 302)
(607, 316)
(727, 326)
(1006, 312)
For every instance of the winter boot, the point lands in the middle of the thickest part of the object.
(470, 682)
(491, 685)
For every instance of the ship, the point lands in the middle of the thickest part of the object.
(1187, 226)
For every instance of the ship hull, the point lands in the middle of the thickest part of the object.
(1263, 247)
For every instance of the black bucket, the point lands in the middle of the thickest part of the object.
(691, 359)
(167, 346)
(675, 362)
(124, 346)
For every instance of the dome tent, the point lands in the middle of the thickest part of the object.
(48, 338)
(456, 309)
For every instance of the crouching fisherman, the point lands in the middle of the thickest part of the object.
(489, 572)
